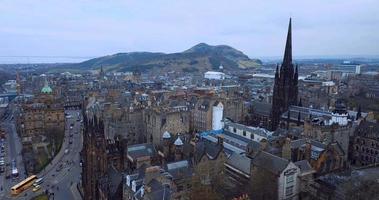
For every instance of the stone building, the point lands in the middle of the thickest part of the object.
(323, 158)
(45, 115)
(329, 134)
(202, 115)
(103, 161)
(365, 144)
(274, 177)
(172, 119)
(129, 125)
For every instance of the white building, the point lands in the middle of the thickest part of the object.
(248, 132)
(358, 69)
(217, 115)
(212, 75)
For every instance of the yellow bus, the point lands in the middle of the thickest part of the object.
(23, 185)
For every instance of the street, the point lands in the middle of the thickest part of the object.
(61, 176)
(12, 152)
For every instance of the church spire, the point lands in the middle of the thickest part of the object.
(287, 60)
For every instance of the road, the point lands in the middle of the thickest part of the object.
(12, 152)
(64, 172)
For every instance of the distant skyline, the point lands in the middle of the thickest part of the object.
(72, 31)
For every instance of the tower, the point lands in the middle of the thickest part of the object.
(178, 149)
(285, 90)
(94, 156)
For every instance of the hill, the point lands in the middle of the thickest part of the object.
(201, 57)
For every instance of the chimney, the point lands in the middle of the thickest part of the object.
(286, 150)
(220, 140)
(308, 150)
(264, 144)
(151, 173)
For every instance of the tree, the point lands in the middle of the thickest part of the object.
(263, 185)
(208, 179)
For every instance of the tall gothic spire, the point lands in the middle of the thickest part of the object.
(287, 60)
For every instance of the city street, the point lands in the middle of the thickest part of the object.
(63, 174)
(12, 152)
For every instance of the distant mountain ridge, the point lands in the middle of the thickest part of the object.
(201, 57)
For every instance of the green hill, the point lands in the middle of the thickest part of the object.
(201, 57)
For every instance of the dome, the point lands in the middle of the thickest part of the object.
(178, 142)
(46, 89)
(166, 135)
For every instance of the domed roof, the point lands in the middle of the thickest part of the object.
(46, 89)
(178, 142)
(166, 135)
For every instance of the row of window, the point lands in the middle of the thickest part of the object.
(243, 133)
(367, 150)
(363, 142)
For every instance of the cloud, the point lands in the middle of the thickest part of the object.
(258, 28)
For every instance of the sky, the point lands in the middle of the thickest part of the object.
(74, 30)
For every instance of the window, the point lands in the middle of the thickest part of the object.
(252, 136)
(234, 130)
(244, 133)
(289, 190)
(289, 179)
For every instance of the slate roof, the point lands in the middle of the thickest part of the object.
(180, 169)
(304, 166)
(318, 144)
(338, 148)
(115, 180)
(256, 130)
(141, 150)
(368, 130)
(158, 191)
(261, 108)
(297, 143)
(306, 112)
(240, 162)
(207, 148)
(270, 162)
(253, 146)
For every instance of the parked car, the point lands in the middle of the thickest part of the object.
(36, 188)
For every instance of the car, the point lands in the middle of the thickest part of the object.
(36, 188)
(66, 151)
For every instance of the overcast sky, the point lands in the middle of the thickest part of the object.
(76, 28)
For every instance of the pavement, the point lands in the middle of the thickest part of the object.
(64, 172)
(12, 152)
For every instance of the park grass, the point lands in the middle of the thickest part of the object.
(42, 160)
(41, 197)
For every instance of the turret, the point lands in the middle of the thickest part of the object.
(166, 137)
(178, 149)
